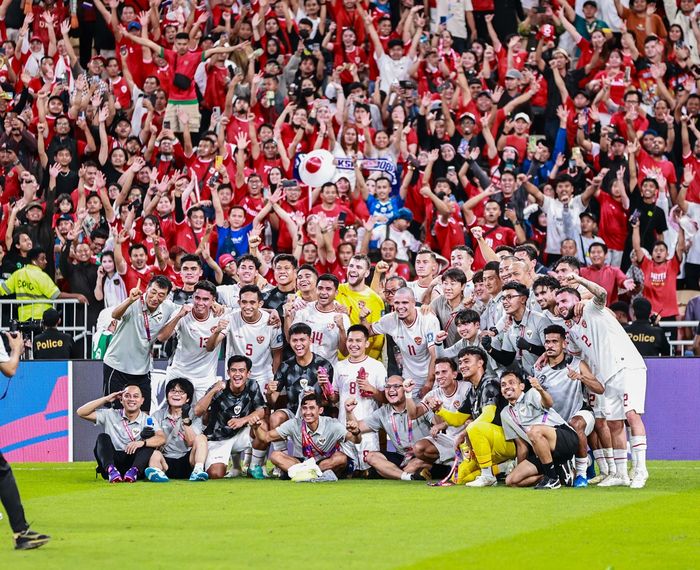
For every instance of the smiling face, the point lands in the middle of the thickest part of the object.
(237, 376)
(566, 302)
(404, 305)
(357, 344)
(284, 273)
(301, 344)
(201, 303)
(306, 280)
(445, 377)
(326, 292)
(155, 295)
(132, 398)
(250, 306)
(357, 272)
(545, 297)
(511, 387)
(177, 397)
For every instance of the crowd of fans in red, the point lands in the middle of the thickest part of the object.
(137, 132)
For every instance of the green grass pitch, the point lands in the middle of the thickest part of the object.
(354, 524)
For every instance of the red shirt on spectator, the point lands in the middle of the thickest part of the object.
(608, 277)
(660, 285)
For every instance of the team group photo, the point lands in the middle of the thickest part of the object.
(363, 283)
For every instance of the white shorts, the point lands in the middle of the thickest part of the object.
(615, 397)
(201, 385)
(597, 402)
(445, 445)
(220, 451)
(358, 451)
(635, 390)
(587, 417)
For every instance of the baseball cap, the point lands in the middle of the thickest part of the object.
(134, 26)
(264, 248)
(225, 259)
(99, 58)
(51, 317)
(403, 214)
(484, 94)
(618, 139)
(64, 218)
(590, 215)
(524, 116)
(562, 52)
(467, 115)
(590, 3)
(34, 204)
(514, 74)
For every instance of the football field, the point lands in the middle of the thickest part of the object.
(354, 524)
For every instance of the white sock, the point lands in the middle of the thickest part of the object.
(610, 458)
(620, 456)
(581, 465)
(247, 455)
(199, 467)
(405, 476)
(257, 457)
(279, 445)
(487, 472)
(599, 456)
(639, 452)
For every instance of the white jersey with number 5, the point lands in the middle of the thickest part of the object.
(603, 342)
(325, 335)
(191, 359)
(254, 340)
(346, 385)
(413, 342)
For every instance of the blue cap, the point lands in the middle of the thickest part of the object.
(404, 214)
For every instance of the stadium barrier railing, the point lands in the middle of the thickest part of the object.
(73, 321)
(686, 343)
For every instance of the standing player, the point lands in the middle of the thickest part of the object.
(569, 381)
(248, 332)
(414, 334)
(520, 333)
(447, 306)
(364, 304)
(542, 438)
(361, 379)
(246, 273)
(449, 394)
(401, 430)
(193, 326)
(23, 537)
(141, 317)
(227, 410)
(620, 368)
(328, 325)
(185, 449)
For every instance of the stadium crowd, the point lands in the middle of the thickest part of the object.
(513, 181)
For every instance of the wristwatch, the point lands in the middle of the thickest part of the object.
(187, 422)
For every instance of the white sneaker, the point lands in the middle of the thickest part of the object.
(614, 480)
(639, 480)
(277, 472)
(232, 473)
(597, 479)
(482, 481)
(508, 466)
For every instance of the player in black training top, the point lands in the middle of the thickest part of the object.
(304, 373)
(227, 410)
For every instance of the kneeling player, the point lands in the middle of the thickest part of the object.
(565, 378)
(185, 448)
(482, 410)
(401, 430)
(228, 409)
(542, 437)
(313, 437)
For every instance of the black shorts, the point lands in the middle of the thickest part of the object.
(564, 449)
(115, 380)
(179, 467)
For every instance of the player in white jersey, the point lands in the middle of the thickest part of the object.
(247, 274)
(616, 362)
(248, 332)
(328, 324)
(193, 326)
(449, 394)
(414, 334)
(361, 379)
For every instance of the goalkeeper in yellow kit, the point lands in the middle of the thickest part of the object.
(483, 434)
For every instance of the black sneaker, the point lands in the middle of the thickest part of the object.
(29, 539)
(548, 483)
